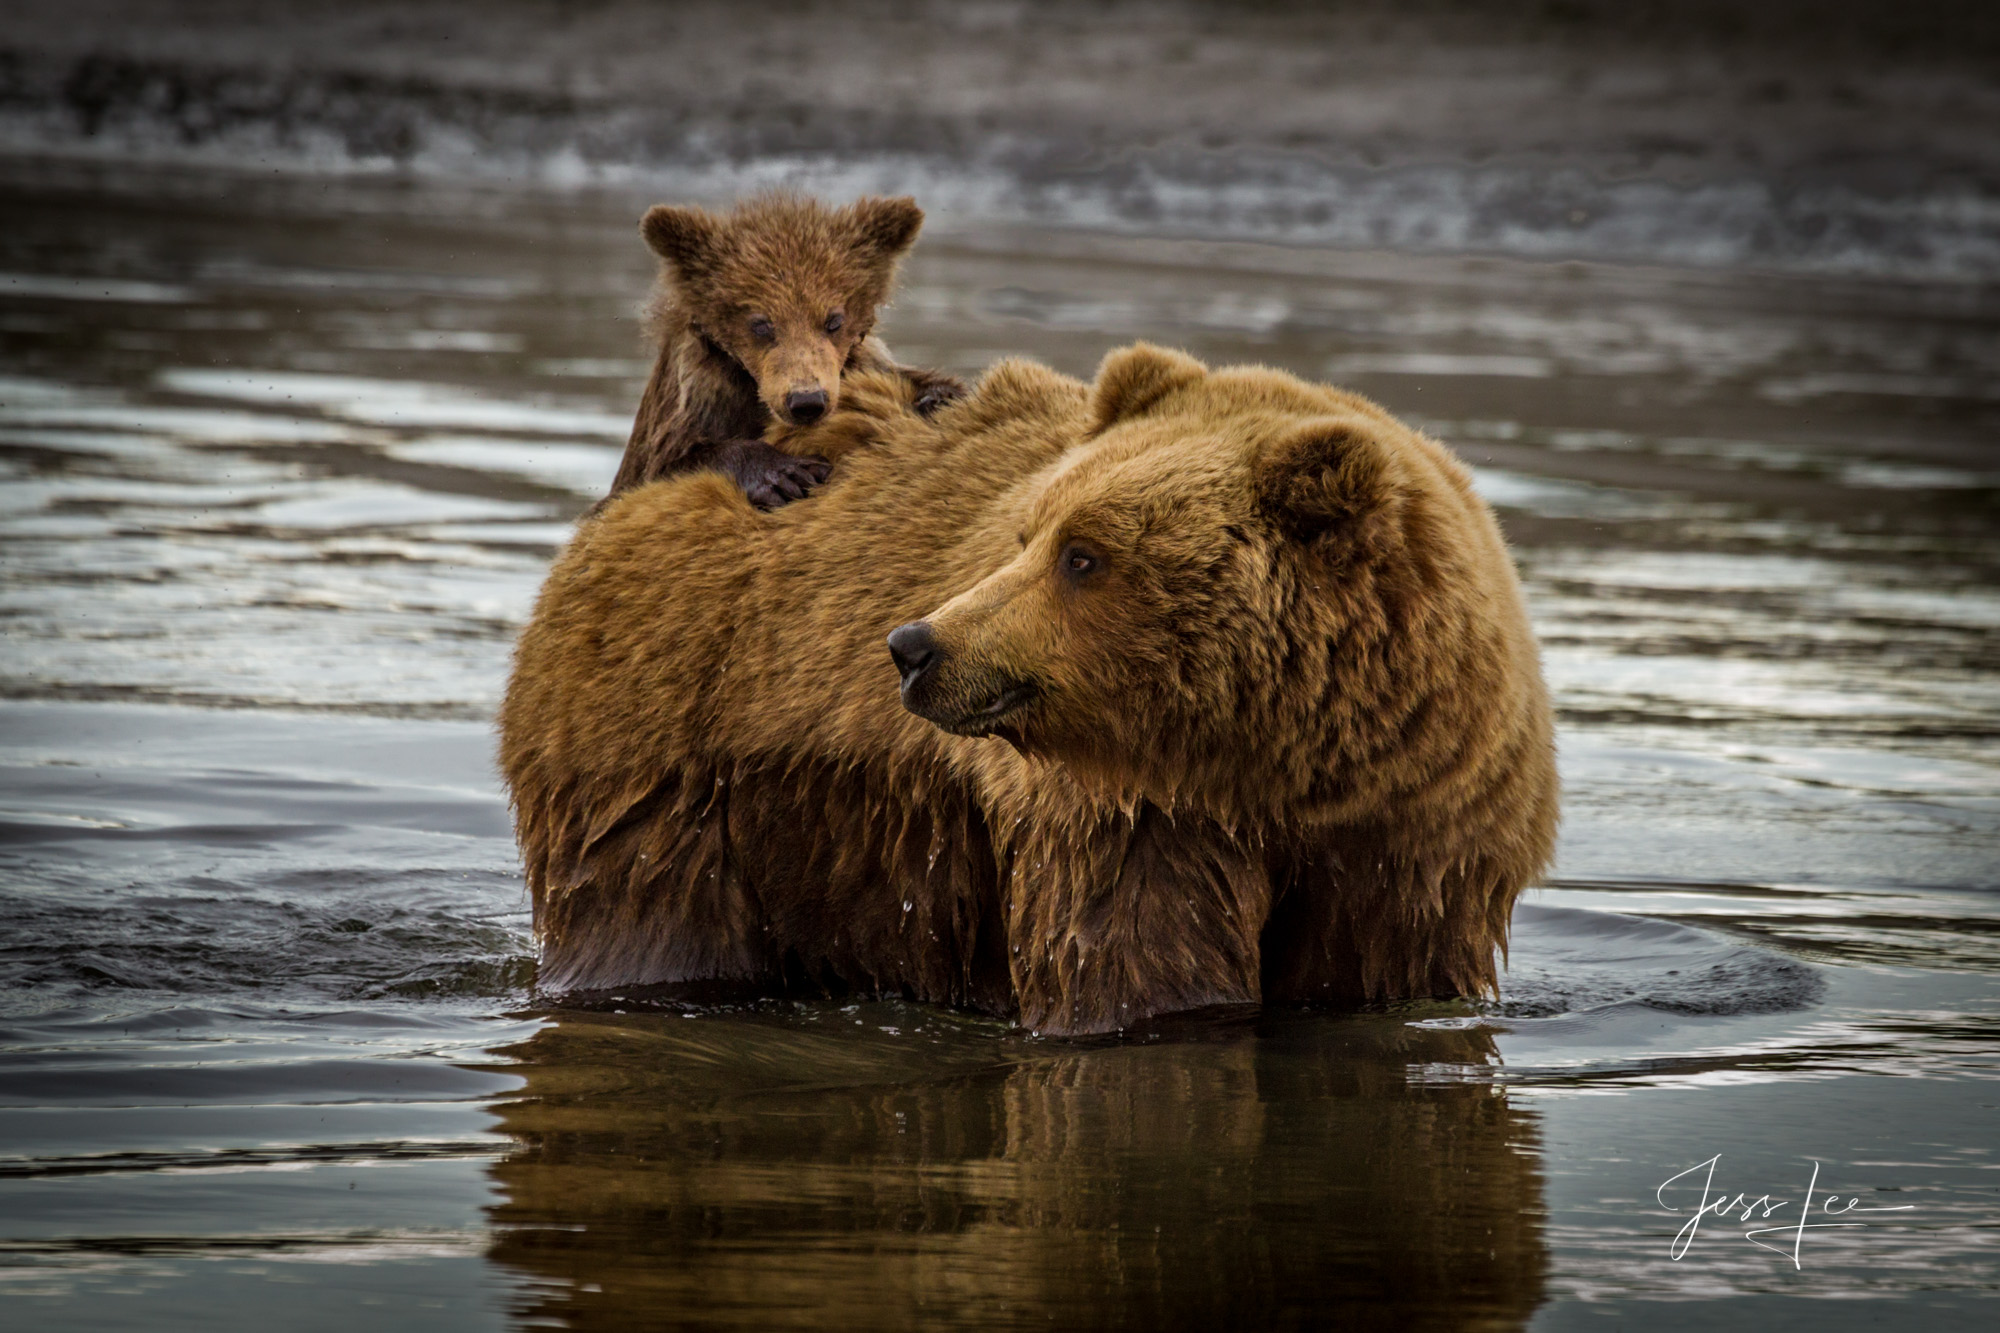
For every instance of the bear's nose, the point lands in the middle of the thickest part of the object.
(805, 408)
(913, 648)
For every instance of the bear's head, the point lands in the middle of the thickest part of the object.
(1235, 588)
(785, 285)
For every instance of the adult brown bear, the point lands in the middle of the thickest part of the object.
(1220, 690)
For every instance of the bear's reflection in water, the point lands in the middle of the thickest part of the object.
(886, 1166)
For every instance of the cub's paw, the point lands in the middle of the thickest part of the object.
(935, 392)
(770, 477)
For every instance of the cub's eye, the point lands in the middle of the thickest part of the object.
(761, 330)
(1076, 561)
(834, 321)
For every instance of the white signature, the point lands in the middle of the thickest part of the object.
(1747, 1209)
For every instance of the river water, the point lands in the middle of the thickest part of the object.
(284, 461)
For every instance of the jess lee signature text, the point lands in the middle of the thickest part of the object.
(1762, 1208)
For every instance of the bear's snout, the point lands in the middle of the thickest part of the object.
(913, 647)
(804, 407)
(941, 688)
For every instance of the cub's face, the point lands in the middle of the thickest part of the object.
(786, 286)
(1172, 571)
(794, 337)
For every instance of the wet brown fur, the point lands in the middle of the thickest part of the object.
(780, 258)
(1289, 743)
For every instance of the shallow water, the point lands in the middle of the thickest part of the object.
(284, 462)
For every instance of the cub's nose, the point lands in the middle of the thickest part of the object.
(913, 648)
(805, 408)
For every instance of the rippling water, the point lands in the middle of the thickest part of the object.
(284, 463)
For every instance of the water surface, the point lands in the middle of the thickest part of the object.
(284, 463)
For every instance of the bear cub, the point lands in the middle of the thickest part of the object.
(757, 315)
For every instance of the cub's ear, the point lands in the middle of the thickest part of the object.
(684, 237)
(1132, 379)
(1332, 483)
(887, 226)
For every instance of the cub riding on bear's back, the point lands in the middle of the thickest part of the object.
(758, 314)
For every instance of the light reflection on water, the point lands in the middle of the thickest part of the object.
(279, 487)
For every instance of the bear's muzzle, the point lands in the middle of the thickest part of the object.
(937, 689)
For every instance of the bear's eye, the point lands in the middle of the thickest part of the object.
(761, 330)
(1076, 561)
(834, 321)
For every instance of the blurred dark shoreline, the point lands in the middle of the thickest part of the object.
(1845, 138)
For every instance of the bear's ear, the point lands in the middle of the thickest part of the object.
(887, 226)
(684, 237)
(1330, 482)
(1132, 379)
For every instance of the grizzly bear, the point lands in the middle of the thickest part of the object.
(757, 315)
(1215, 688)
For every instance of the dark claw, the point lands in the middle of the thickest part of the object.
(940, 393)
(770, 477)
